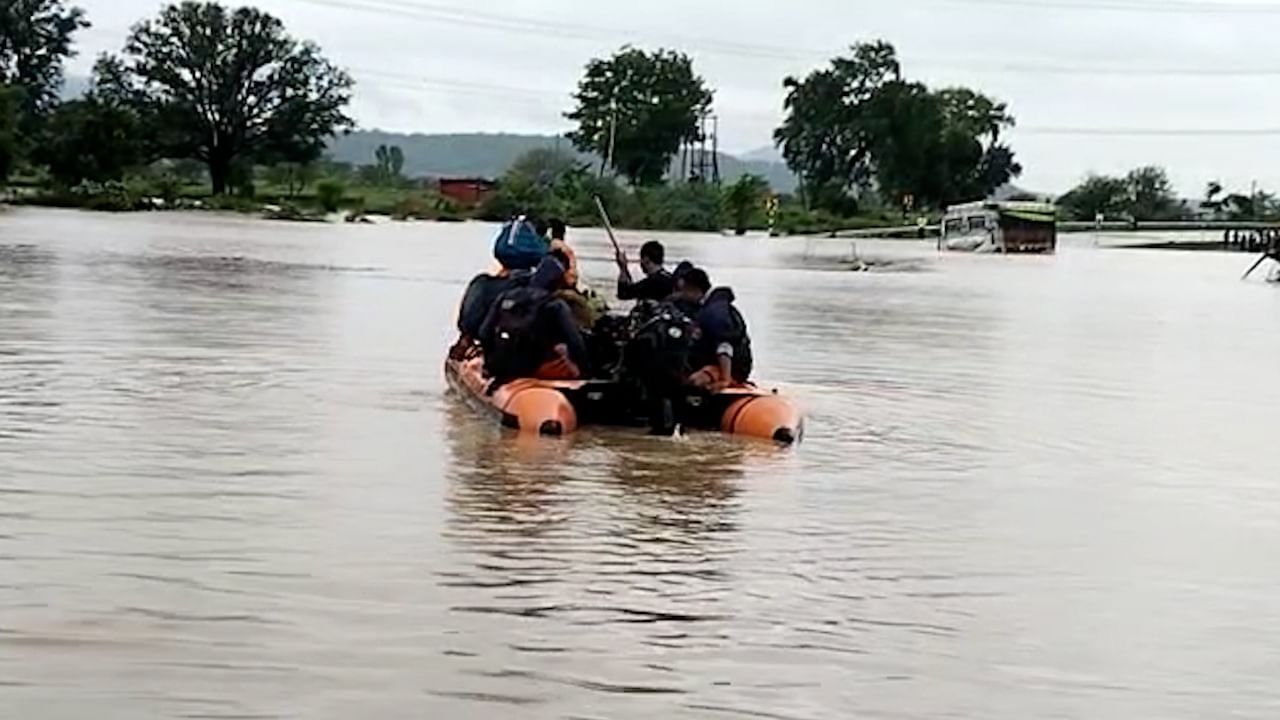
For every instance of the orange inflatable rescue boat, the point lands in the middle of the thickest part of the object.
(559, 407)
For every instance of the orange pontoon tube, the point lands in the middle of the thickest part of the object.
(559, 407)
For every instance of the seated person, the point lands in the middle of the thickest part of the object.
(688, 308)
(657, 283)
(520, 245)
(479, 297)
(529, 332)
(723, 349)
(561, 249)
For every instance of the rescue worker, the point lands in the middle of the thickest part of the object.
(529, 332)
(586, 305)
(721, 354)
(558, 245)
(657, 283)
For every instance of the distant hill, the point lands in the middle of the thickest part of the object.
(485, 155)
(768, 153)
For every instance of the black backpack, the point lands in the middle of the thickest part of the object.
(516, 349)
(657, 356)
(483, 291)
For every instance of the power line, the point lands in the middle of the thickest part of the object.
(528, 95)
(1151, 132)
(1197, 7)
(527, 26)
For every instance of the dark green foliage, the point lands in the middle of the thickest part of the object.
(230, 87)
(9, 102)
(695, 207)
(744, 201)
(35, 40)
(1151, 195)
(91, 139)
(637, 107)
(389, 168)
(858, 125)
(1097, 194)
(330, 194)
(293, 178)
(1144, 194)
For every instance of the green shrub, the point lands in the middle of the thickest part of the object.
(330, 194)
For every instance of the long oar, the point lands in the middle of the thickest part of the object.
(1255, 266)
(608, 226)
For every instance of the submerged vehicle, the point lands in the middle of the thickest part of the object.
(559, 407)
(1000, 227)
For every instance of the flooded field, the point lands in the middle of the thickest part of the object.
(233, 485)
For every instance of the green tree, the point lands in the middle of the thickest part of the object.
(544, 166)
(389, 165)
(547, 182)
(330, 194)
(832, 122)
(1213, 200)
(91, 139)
(292, 177)
(230, 87)
(1096, 195)
(382, 165)
(1151, 194)
(636, 108)
(9, 102)
(743, 200)
(1258, 206)
(395, 162)
(35, 39)
(858, 122)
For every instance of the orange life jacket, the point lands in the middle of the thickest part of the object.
(571, 272)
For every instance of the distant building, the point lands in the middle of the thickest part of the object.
(467, 192)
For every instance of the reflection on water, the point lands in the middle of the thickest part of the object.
(233, 485)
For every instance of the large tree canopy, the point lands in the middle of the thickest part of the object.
(637, 108)
(832, 120)
(859, 123)
(230, 87)
(35, 38)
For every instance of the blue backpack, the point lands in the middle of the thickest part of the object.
(518, 246)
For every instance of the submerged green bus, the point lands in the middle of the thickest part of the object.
(1000, 227)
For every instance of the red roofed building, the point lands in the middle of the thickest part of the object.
(467, 192)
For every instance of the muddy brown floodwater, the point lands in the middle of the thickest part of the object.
(233, 485)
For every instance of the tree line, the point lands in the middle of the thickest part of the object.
(228, 88)
(858, 133)
(231, 90)
(1146, 193)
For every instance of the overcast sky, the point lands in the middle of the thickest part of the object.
(1062, 65)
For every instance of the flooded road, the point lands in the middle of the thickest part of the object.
(232, 485)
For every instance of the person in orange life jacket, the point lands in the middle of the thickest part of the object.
(723, 349)
(581, 299)
(657, 283)
(558, 244)
(529, 332)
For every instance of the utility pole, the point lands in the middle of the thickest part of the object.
(715, 149)
(613, 137)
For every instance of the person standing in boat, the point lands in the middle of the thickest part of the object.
(722, 352)
(587, 306)
(657, 284)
